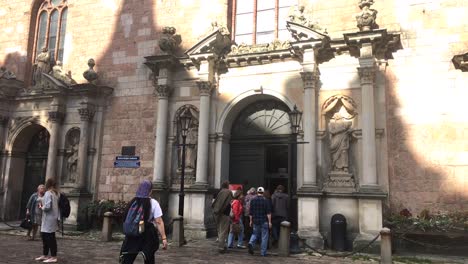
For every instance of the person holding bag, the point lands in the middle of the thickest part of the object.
(33, 212)
(142, 215)
(50, 216)
(237, 227)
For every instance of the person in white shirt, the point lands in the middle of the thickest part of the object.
(148, 242)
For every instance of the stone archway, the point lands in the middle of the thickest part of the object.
(25, 168)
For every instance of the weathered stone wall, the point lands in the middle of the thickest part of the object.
(427, 126)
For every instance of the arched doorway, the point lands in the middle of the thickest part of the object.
(260, 146)
(26, 167)
(35, 165)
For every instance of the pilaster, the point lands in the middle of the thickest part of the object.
(86, 113)
(56, 117)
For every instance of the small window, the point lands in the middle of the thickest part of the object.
(51, 27)
(260, 21)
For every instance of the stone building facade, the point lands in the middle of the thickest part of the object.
(380, 87)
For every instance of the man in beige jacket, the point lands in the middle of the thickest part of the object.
(221, 210)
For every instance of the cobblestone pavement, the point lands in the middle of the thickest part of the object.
(16, 249)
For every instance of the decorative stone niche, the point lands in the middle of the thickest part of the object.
(70, 168)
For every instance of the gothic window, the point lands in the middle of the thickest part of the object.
(260, 21)
(51, 25)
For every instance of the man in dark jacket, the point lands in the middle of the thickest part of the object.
(221, 209)
(280, 202)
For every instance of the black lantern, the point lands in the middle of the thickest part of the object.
(185, 121)
(295, 116)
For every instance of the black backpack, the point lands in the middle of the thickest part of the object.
(64, 206)
(137, 217)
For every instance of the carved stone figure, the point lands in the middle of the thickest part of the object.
(297, 15)
(59, 74)
(72, 155)
(366, 18)
(339, 130)
(42, 65)
(6, 74)
(221, 27)
(90, 74)
(170, 41)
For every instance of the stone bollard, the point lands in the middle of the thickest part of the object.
(106, 234)
(284, 238)
(385, 246)
(178, 231)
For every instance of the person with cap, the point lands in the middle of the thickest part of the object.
(260, 220)
(148, 242)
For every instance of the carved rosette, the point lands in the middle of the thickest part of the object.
(310, 79)
(205, 88)
(56, 116)
(367, 75)
(86, 114)
(162, 90)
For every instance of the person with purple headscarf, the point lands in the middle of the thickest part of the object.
(148, 243)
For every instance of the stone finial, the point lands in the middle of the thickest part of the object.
(90, 74)
(169, 41)
(220, 27)
(6, 74)
(366, 18)
(297, 15)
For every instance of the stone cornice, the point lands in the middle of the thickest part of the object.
(161, 61)
(384, 44)
(461, 62)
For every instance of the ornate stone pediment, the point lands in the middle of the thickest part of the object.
(303, 33)
(51, 84)
(217, 44)
(461, 62)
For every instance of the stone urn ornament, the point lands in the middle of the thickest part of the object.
(169, 41)
(366, 18)
(90, 74)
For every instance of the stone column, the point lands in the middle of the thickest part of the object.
(205, 88)
(86, 115)
(310, 80)
(3, 127)
(367, 78)
(55, 118)
(163, 92)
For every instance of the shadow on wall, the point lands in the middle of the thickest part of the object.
(15, 62)
(130, 117)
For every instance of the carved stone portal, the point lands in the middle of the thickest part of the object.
(71, 154)
(191, 142)
(340, 110)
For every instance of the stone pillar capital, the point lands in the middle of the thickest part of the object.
(163, 91)
(310, 79)
(367, 74)
(56, 116)
(205, 88)
(86, 114)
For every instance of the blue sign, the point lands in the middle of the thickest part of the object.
(134, 164)
(135, 158)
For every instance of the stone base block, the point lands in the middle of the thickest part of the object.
(312, 238)
(362, 240)
(199, 232)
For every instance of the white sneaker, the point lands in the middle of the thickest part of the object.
(50, 260)
(41, 258)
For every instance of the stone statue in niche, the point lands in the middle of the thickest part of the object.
(191, 141)
(339, 129)
(73, 141)
(42, 65)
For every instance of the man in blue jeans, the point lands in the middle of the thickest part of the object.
(260, 220)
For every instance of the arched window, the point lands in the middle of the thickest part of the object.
(260, 21)
(51, 25)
